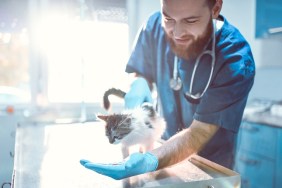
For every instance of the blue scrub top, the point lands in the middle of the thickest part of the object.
(224, 101)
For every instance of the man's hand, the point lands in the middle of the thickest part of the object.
(138, 94)
(135, 164)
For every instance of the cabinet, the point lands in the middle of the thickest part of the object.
(268, 18)
(8, 125)
(259, 155)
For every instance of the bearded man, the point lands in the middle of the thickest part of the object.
(203, 70)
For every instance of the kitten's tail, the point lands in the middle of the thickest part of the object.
(113, 91)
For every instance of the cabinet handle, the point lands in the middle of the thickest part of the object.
(249, 161)
(6, 183)
(12, 154)
(275, 30)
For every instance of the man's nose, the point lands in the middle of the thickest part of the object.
(178, 30)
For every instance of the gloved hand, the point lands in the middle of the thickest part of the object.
(135, 164)
(138, 94)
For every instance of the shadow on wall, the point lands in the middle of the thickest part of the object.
(268, 84)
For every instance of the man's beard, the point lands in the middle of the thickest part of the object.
(195, 48)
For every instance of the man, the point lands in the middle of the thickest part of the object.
(204, 115)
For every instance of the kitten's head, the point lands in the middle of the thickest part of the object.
(117, 126)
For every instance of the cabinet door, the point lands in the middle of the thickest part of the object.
(257, 138)
(255, 171)
(7, 145)
(278, 175)
(268, 18)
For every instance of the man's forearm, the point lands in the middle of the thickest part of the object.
(184, 144)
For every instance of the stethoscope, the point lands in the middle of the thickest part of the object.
(175, 81)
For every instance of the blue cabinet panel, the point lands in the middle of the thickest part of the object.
(268, 18)
(259, 155)
(256, 172)
(278, 167)
(259, 139)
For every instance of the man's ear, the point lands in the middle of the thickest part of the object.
(216, 8)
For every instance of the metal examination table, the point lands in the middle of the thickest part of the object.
(48, 156)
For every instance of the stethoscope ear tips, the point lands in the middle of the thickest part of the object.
(175, 84)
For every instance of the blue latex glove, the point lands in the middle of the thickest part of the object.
(135, 164)
(138, 94)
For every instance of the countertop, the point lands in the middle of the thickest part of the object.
(264, 112)
(48, 156)
(264, 118)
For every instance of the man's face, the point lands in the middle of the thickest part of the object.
(188, 26)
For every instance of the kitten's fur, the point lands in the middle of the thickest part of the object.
(140, 126)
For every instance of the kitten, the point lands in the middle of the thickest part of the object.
(141, 126)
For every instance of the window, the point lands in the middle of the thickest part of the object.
(14, 68)
(14, 53)
(84, 54)
(63, 51)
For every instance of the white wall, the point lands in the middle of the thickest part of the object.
(138, 12)
(242, 14)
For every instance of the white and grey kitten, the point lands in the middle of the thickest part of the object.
(140, 126)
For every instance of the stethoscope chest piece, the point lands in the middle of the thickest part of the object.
(175, 84)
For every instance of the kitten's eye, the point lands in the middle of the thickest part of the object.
(128, 121)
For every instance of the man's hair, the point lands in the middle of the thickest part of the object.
(211, 3)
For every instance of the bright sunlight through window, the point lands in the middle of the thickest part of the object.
(84, 58)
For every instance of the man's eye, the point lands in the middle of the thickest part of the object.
(168, 19)
(190, 21)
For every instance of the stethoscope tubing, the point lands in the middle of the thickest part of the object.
(175, 68)
(206, 52)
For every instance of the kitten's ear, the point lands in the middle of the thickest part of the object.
(103, 117)
(149, 108)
